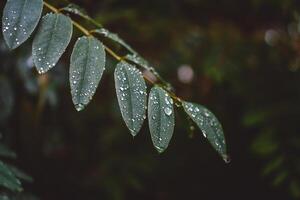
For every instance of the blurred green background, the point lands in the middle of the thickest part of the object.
(240, 59)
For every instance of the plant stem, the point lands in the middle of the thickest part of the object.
(117, 57)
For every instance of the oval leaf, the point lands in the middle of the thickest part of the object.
(132, 95)
(20, 17)
(209, 125)
(161, 118)
(87, 66)
(51, 41)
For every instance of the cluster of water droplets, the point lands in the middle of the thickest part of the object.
(41, 61)
(15, 31)
(208, 124)
(131, 92)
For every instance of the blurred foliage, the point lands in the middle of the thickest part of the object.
(245, 59)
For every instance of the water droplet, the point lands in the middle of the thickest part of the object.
(168, 111)
(227, 159)
(159, 149)
(79, 107)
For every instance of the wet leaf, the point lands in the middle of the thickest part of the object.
(51, 41)
(6, 152)
(19, 173)
(20, 18)
(209, 125)
(132, 96)
(8, 179)
(87, 66)
(77, 10)
(138, 60)
(161, 118)
(114, 37)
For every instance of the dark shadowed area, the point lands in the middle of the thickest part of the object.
(240, 59)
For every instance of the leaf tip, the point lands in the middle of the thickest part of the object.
(226, 159)
(79, 107)
(160, 150)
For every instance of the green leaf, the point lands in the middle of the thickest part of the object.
(51, 41)
(209, 125)
(76, 10)
(19, 173)
(132, 95)
(138, 60)
(114, 37)
(20, 18)
(87, 66)
(6, 152)
(161, 118)
(8, 179)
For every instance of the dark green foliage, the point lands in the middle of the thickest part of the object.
(8, 179)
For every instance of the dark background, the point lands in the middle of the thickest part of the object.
(245, 59)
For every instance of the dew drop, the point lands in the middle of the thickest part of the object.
(79, 107)
(168, 111)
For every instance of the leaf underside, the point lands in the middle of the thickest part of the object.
(132, 95)
(161, 118)
(209, 125)
(51, 41)
(87, 67)
(20, 18)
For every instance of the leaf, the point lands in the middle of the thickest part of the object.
(209, 125)
(137, 59)
(20, 18)
(76, 10)
(114, 37)
(19, 173)
(8, 179)
(51, 41)
(87, 66)
(6, 152)
(161, 118)
(132, 95)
